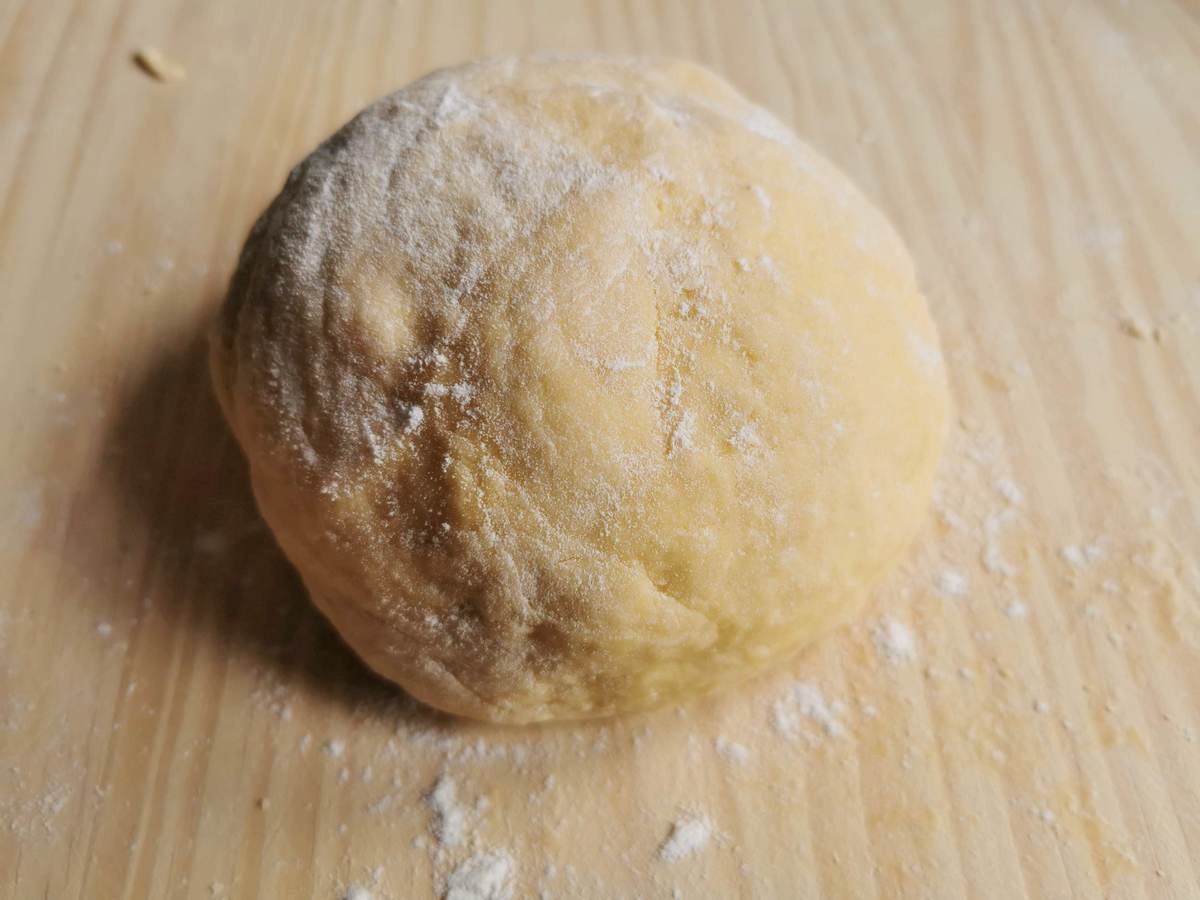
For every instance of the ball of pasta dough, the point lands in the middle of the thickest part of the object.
(578, 385)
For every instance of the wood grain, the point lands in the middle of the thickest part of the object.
(167, 695)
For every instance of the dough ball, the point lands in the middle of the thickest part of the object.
(578, 385)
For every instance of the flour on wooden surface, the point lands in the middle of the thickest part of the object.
(482, 876)
(449, 816)
(1010, 491)
(951, 583)
(490, 874)
(995, 525)
(806, 702)
(1080, 556)
(472, 862)
(1017, 609)
(334, 748)
(731, 751)
(894, 640)
(688, 836)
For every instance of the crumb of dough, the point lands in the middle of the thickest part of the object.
(158, 65)
(1140, 329)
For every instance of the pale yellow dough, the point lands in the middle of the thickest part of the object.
(574, 386)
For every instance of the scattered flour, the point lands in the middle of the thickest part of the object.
(1016, 610)
(994, 525)
(951, 583)
(768, 266)
(1010, 491)
(416, 415)
(334, 748)
(33, 818)
(806, 701)
(732, 751)
(894, 641)
(488, 875)
(689, 835)
(761, 195)
(483, 876)
(449, 817)
(1079, 556)
(746, 440)
(993, 555)
(684, 434)
(462, 392)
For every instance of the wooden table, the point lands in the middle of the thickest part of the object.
(175, 721)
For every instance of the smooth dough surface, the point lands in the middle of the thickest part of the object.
(577, 385)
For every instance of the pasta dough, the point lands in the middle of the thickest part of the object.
(577, 385)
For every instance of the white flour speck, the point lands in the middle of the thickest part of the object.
(761, 195)
(1078, 556)
(689, 835)
(732, 751)
(746, 440)
(894, 641)
(805, 700)
(462, 392)
(484, 876)
(684, 433)
(334, 748)
(1010, 491)
(951, 583)
(1016, 610)
(449, 817)
(993, 556)
(416, 415)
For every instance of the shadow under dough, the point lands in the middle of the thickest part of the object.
(211, 564)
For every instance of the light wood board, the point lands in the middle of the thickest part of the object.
(167, 696)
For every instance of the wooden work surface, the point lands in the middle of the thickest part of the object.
(175, 721)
